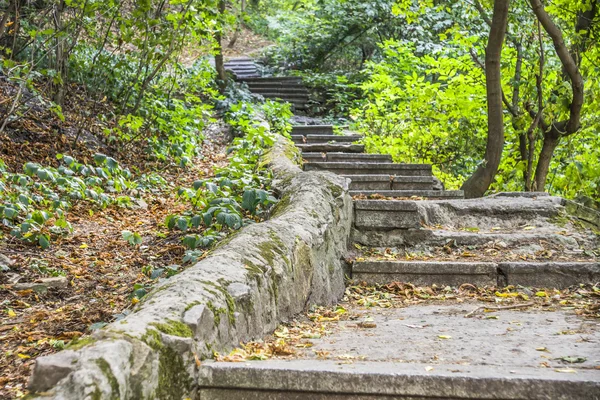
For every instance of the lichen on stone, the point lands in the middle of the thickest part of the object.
(174, 328)
(112, 380)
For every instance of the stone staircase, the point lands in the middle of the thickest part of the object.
(288, 89)
(405, 231)
(242, 68)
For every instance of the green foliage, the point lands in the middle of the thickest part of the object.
(34, 204)
(424, 110)
(410, 74)
(239, 193)
(127, 55)
(133, 238)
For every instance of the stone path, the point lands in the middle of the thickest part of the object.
(408, 229)
(288, 89)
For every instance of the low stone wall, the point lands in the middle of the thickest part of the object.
(260, 276)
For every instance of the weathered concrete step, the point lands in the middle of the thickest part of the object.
(241, 63)
(438, 237)
(548, 274)
(241, 67)
(275, 79)
(312, 138)
(382, 214)
(315, 379)
(243, 76)
(284, 94)
(426, 273)
(347, 157)
(357, 168)
(551, 274)
(242, 58)
(289, 99)
(275, 86)
(300, 90)
(331, 147)
(386, 182)
(429, 194)
(312, 130)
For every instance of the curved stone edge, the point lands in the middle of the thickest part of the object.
(258, 277)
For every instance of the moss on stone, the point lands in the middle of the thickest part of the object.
(97, 394)
(174, 328)
(217, 312)
(174, 383)
(112, 380)
(336, 190)
(77, 344)
(191, 305)
(282, 205)
(253, 269)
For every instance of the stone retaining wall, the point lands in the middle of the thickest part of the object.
(260, 276)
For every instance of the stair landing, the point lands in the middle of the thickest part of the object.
(433, 350)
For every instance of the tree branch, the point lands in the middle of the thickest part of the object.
(569, 65)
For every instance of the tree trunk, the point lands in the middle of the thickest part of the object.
(61, 56)
(480, 181)
(556, 130)
(551, 141)
(238, 26)
(219, 63)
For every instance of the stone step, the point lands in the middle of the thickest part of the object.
(347, 157)
(241, 58)
(559, 275)
(241, 67)
(289, 99)
(429, 194)
(274, 79)
(312, 130)
(241, 63)
(426, 273)
(439, 237)
(357, 168)
(386, 215)
(395, 362)
(332, 147)
(285, 95)
(311, 138)
(386, 182)
(275, 86)
(245, 75)
(281, 90)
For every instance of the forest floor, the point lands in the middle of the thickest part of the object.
(49, 298)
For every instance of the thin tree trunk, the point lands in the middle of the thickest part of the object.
(557, 130)
(219, 62)
(551, 141)
(480, 181)
(61, 56)
(238, 26)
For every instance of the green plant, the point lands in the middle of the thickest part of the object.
(239, 193)
(34, 204)
(133, 238)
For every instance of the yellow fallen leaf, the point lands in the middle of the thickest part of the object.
(135, 300)
(11, 313)
(23, 356)
(528, 228)
(83, 246)
(541, 349)
(566, 370)
(428, 369)
(540, 294)
(444, 337)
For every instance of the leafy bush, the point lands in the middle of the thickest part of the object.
(239, 193)
(33, 204)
